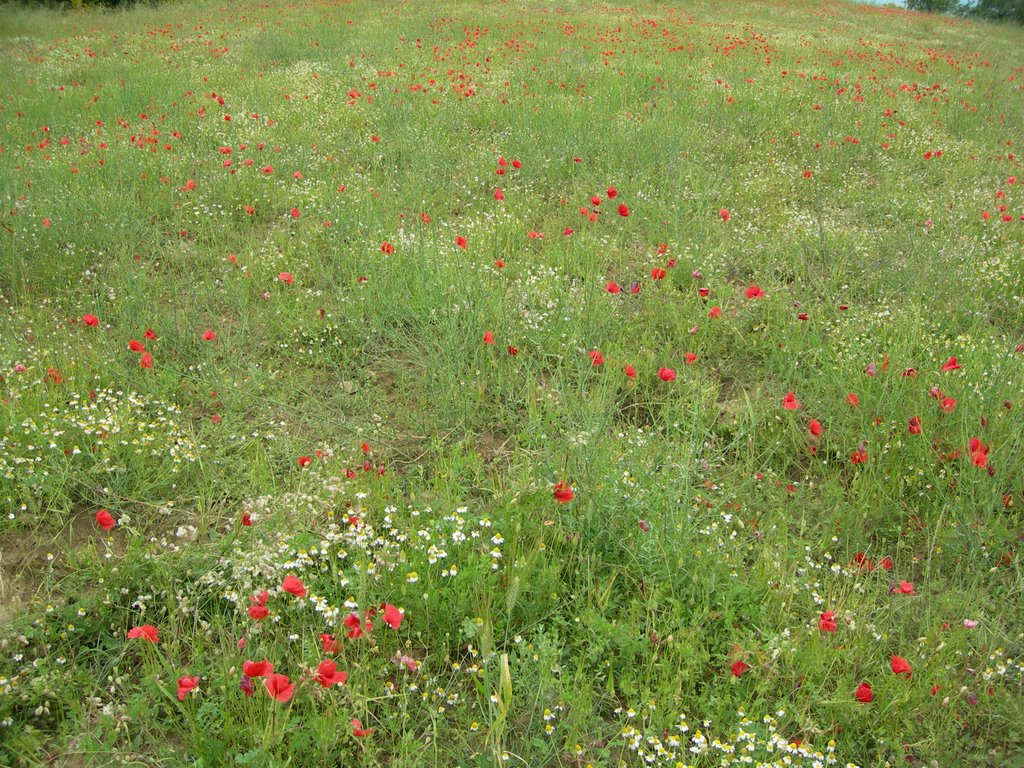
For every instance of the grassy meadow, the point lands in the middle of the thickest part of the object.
(511, 384)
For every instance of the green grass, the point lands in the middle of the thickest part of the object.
(707, 527)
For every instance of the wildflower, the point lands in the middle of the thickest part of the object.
(258, 606)
(864, 694)
(789, 402)
(105, 520)
(666, 374)
(738, 668)
(145, 632)
(357, 627)
(257, 668)
(901, 666)
(563, 493)
(327, 674)
(827, 622)
(293, 585)
(91, 320)
(754, 292)
(186, 685)
(280, 687)
(978, 451)
(392, 616)
(358, 730)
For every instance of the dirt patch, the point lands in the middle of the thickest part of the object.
(25, 563)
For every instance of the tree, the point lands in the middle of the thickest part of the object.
(1010, 10)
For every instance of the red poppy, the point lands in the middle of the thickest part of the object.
(328, 674)
(286, 277)
(293, 585)
(978, 451)
(596, 357)
(666, 374)
(914, 425)
(864, 694)
(815, 428)
(623, 210)
(280, 687)
(886, 563)
(145, 632)
(612, 192)
(150, 334)
(950, 365)
(387, 248)
(185, 685)
(461, 242)
(359, 731)
(754, 292)
(738, 668)
(657, 273)
(257, 668)
(105, 520)
(948, 404)
(304, 461)
(498, 194)
(715, 312)
(827, 622)
(724, 213)
(295, 213)
(330, 644)
(613, 287)
(690, 358)
(258, 606)
(630, 371)
(863, 561)
(901, 666)
(563, 493)
(357, 627)
(392, 616)
(91, 320)
(209, 335)
(906, 588)
(860, 456)
(853, 400)
(488, 337)
(789, 402)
